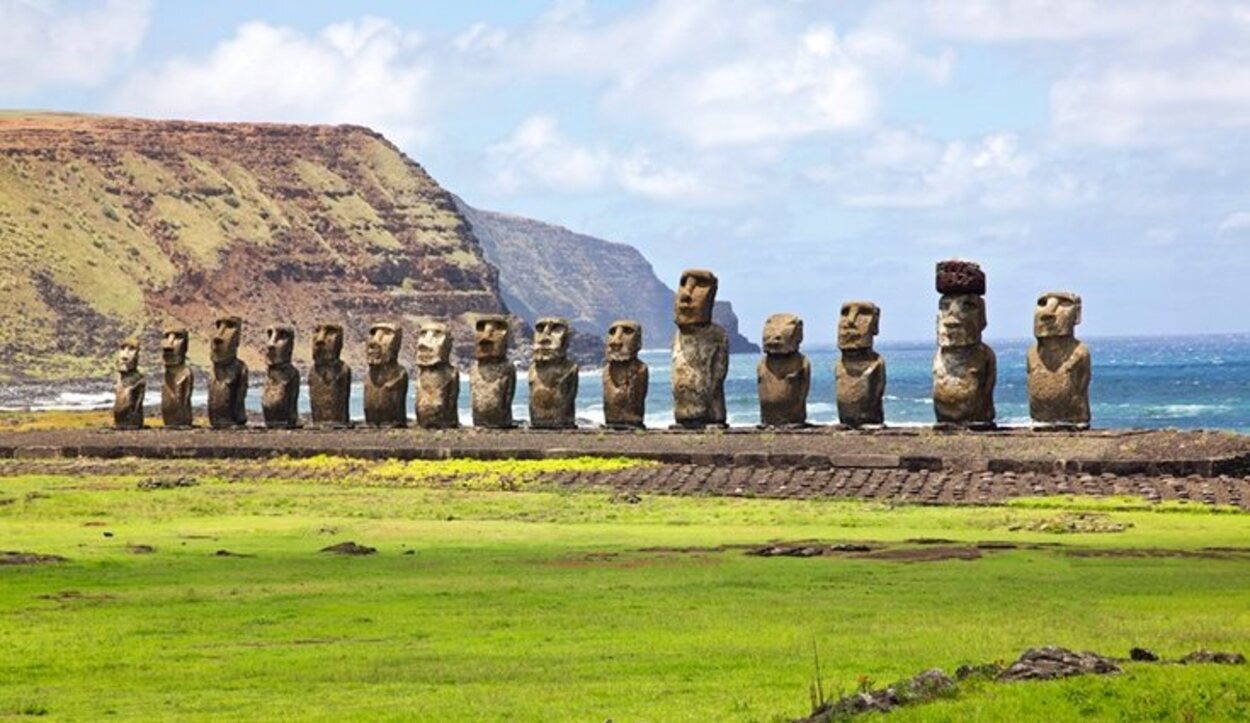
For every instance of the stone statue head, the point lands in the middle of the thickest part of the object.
(226, 335)
(174, 347)
(279, 344)
(961, 319)
(783, 333)
(859, 323)
(327, 344)
(491, 335)
(1057, 314)
(551, 339)
(695, 297)
(624, 341)
(433, 344)
(384, 343)
(128, 356)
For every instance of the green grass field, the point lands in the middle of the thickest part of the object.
(534, 605)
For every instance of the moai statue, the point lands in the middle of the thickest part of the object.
(227, 386)
(438, 379)
(553, 377)
(179, 381)
(861, 370)
(492, 380)
(700, 354)
(131, 386)
(280, 398)
(784, 374)
(330, 383)
(964, 369)
(625, 377)
(386, 384)
(1058, 364)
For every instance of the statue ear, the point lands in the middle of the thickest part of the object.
(875, 328)
(984, 321)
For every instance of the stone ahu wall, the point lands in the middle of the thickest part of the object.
(964, 369)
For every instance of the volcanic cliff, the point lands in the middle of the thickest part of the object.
(111, 227)
(548, 270)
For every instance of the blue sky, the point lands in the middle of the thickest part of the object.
(808, 151)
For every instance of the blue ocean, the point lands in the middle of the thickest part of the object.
(1189, 382)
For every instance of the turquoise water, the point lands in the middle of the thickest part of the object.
(1184, 382)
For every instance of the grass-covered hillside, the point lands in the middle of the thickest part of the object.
(111, 226)
(199, 592)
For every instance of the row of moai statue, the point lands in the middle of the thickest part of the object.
(964, 369)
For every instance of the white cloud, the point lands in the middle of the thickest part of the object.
(367, 71)
(538, 154)
(80, 43)
(1235, 228)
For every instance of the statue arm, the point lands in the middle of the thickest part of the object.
(240, 400)
(805, 383)
(644, 382)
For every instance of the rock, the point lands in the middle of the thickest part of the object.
(1142, 655)
(1058, 364)
(1210, 656)
(860, 372)
(130, 389)
(178, 382)
(492, 380)
(349, 548)
(552, 377)
(280, 397)
(959, 277)
(926, 686)
(625, 377)
(227, 384)
(13, 557)
(1054, 662)
(784, 375)
(438, 379)
(167, 483)
(330, 383)
(386, 384)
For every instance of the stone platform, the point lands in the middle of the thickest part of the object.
(1100, 452)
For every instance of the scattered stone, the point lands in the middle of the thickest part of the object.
(13, 557)
(1143, 655)
(227, 553)
(981, 670)
(850, 547)
(141, 549)
(1072, 522)
(167, 483)
(1054, 662)
(927, 686)
(1211, 656)
(788, 551)
(349, 548)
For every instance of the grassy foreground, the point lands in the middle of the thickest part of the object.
(538, 605)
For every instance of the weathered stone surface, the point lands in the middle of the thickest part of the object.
(1058, 364)
(227, 384)
(964, 370)
(178, 383)
(492, 380)
(960, 277)
(625, 377)
(700, 354)
(552, 377)
(130, 389)
(1053, 662)
(330, 383)
(784, 374)
(860, 373)
(438, 379)
(386, 384)
(280, 396)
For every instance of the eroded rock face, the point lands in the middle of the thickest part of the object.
(130, 389)
(552, 377)
(860, 373)
(965, 370)
(438, 379)
(330, 383)
(227, 385)
(492, 380)
(625, 377)
(179, 382)
(1058, 364)
(700, 354)
(386, 384)
(280, 397)
(784, 374)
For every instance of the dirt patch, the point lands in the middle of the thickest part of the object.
(12, 557)
(227, 553)
(350, 548)
(621, 561)
(930, 541)
(72, 595)
(924, 554)
(141, 549)
(1153, 552)
(167, 483)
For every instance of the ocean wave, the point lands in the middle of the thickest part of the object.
(1184, 411)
